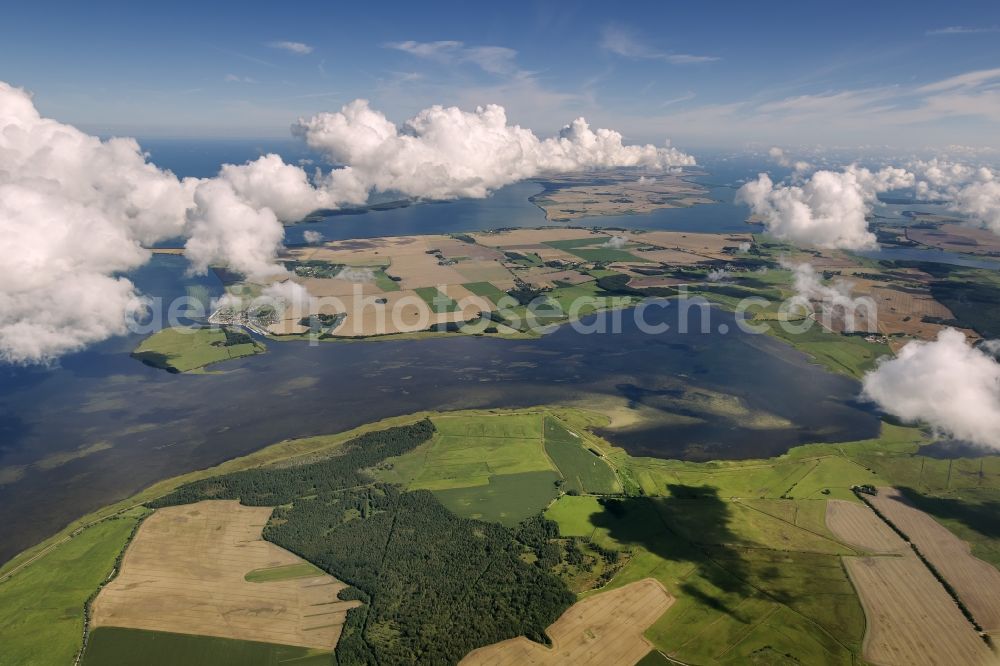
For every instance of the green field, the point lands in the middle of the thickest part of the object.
(384, 282)
(485, 467)
(488, 291)
(591, 249)
(286, 572)
(113, 646)
(575, 515)
(583, 470)
(41, 605)
(501, 467)
(186, 350)
(844, 354)
(438, 300)
(506, 499)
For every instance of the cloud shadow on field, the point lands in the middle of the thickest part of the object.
(690, 525)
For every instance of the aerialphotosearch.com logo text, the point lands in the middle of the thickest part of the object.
(289, 310)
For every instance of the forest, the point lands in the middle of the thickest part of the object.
(434, 586)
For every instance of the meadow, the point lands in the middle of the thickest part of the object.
(504, 467)
(42, 607)
(188, 350)
(596, 250)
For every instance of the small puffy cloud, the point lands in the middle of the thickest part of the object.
(778, 155)
(615, 242)
(297, 48)
(286, 297)
(828, 210)
(446, 153)
(946, 383)
(357, 274)
(744, 246)
(782, 159)
(312, 237)
(718, 275)
(835, 300)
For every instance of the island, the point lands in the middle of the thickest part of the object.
(192, 349)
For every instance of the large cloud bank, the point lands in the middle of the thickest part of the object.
(947, 384)
(828, 210)
(74, 212)
(970, 191)
(77, 212)
(444, 152)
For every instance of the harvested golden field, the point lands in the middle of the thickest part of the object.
(604, 630)
(706, 246)
(401, 312)
(482, 271)
(858, 525)
(976, 582)
(452, 248)
(323, 287)
(362, 252)
(422, 270)
(911, 619)
(673, 257)
(545, 278)
(184, 573)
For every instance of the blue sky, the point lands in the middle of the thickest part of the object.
(703, 74)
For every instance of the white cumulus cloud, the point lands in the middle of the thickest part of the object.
(973, 192)
(946, 383)
(828, 210)
(835, 300)
(445, 153)
(76, 212)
